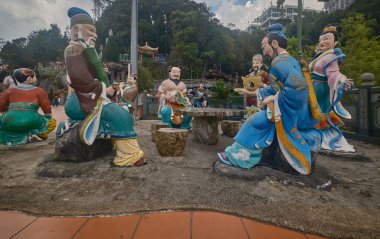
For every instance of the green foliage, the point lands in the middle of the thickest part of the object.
(292, 47)
(371, 11)
(111, 50)
(40, 46)
(47, 73)
(46, 45)
(361, 47)
(308, 52)
(186, 32)
(220, 92)
(14, 54)
(145, 79)
(47, 77)
(58, 80)
(190, 36)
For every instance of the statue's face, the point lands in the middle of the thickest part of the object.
(175, 73)
(87, 32)
(326, 42)
(256, 63)
(131, 80)
(267, 49)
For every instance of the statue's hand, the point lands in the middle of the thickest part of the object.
(348, 84)
(121, 86)
(171, 96)
(243, 91)
(269, 99)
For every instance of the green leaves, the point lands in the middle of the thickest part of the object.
(220, 92)
(361, 46)
(40, 46)
(112, 50)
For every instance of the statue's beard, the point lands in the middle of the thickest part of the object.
(176, 78)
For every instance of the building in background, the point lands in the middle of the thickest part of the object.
(334, 5)
(286, 13)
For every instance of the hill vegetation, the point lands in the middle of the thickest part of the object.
(190, 36)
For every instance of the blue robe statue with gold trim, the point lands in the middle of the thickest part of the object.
(288, 117)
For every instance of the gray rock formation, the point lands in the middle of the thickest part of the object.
(68, 147)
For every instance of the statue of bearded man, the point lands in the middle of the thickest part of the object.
(88, 106)
(172, 97)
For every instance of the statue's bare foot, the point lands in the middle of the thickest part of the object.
(140, 162)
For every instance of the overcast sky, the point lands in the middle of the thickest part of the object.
(20, 17)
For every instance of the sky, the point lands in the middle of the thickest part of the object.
(18, 18)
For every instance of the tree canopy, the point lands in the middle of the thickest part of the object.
(40, 46)
(185, 31)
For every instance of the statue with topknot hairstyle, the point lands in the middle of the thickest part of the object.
(329, 85)
(20, 121)
(88, 105)
(281, 135)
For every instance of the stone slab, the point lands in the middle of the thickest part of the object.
(212, 112)
(356, 156)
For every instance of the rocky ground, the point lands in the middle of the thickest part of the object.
(340, 200)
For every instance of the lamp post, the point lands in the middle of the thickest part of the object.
(299, 28)
(134, 36)
(134, 47)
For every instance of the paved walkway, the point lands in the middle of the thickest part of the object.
(165, 225)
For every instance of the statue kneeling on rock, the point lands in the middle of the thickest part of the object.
(20, 122)
(89, 110)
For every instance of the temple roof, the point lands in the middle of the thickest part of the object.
(147, 48)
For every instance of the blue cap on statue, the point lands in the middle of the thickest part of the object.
(79, 16)
(277, 29)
